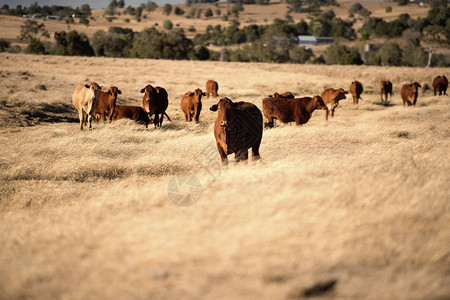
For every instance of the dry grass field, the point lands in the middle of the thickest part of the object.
(362, 199)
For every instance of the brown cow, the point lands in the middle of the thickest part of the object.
(238, 127)
(331, 98)
(211, 88)
(385, 88)
(440, 84)
(191, 105)
(155, 102)
(291, 110)
(106, 103)
(356, 89)
(135, 113)
(286, 95)
(85, 100)
(409, 93)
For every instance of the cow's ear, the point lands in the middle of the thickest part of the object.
(109, 92)
(203, 94)
(119, 92)
(191, 95)
(214, 107)
(87, 86)
(143, 90)
(100, 87)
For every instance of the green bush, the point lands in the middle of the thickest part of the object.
(168, 24)
(4, 45)
(35, 46)
(389, 9)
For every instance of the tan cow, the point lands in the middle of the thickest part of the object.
(211, 88)
(286, 95)
(85, 100)
(191, 105)
(409, 93)
(331, 98)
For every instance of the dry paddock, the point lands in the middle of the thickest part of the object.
(362, 199)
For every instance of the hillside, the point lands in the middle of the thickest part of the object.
(252, 14)
(361, 199)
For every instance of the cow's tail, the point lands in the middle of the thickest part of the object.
(167, 116)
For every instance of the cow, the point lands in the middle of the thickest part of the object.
(297, 110)
(136, 113)
(211, 88)
(331, 98)
(440, 84)
(286, 95)
(191, 105)
(409, 93)
(356, 89)
(155, 102)
(106, 103)
(238, 127)
(85, 100)
(385, 88)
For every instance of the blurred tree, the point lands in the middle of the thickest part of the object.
(167, 9)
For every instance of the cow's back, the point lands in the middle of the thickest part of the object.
(79, 96)
(328, 96)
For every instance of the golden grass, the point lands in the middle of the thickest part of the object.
(362, 198)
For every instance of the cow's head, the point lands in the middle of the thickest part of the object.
(197, 94)
(150, 94)
(112, 93)
(225, 108)
(93, 90)
(415, 87)
(319, 102)
(340, 95)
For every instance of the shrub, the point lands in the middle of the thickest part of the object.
(168, 24)
(35, 46)
(179, 11)
(340, 54)
(84, 21)
(4, 45)
(167, 9)
(389, 9)
(191, 28)
(208, 13)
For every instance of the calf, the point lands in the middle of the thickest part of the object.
(238, 127)
(385, 88)
(440, 84)
(356, 89)
(286, 95)
(409, 93)
(191, 105)
(291, 110)
(331, 98)
(155, 102)
(85, 100)
(211, 88)
(106, 103)
(135, 113)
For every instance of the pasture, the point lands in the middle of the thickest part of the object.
(362, 199)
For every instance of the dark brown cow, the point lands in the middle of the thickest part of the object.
(356, 89)
(286, 95)
(155, 102)
(297, 110)
(211, 88)
(238, 127)
(135, 113)
(331, 98)
(191, 105)
(440, 84)
(409, 93)
(106, 103)
(385, 88)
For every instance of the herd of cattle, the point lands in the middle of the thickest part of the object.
(239, 125)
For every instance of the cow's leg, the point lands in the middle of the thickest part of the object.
(190, 116)
(81, 116)
(223, 155)
(332, 112)
(255, 151)
(161, 117)
(185, 117)
(327, 111)
(244, 155)
(90, 117)
(156, 120)
(104, 117)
